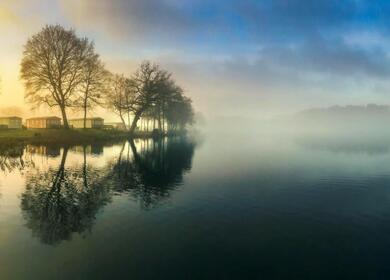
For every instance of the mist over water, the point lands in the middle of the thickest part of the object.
(270, 202)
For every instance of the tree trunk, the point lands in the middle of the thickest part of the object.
(163, 123)
(85, 173)
(64, 117)
(85, 113)
(135, 120)
(134, 150)
(128, 119)
(123, 120)
(159, 121)
(163, 118)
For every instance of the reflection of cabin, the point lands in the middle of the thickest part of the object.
(96, 149)
(89, 123)
(43, 122)
(11, 122)
(90, 149)
(115, 125)
(51, 151)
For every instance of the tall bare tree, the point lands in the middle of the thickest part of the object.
(117, 98)
(145, 84)
(150, 94)
(93, 84)
(52, 67)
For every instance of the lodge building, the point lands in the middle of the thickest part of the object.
(11, 122)
(44, 122)
(89, 123)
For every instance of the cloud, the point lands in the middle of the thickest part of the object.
(286, 34)
(257, 20)
(24, 15)
(332, 57)
(296, 19)
(134, 20)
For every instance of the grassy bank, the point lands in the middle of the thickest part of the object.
(62, 136)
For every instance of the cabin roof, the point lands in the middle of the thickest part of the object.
(45, 118)
(81, 119)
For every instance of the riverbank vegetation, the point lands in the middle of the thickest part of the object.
(63, 71)
(63, 136)
(74, 136)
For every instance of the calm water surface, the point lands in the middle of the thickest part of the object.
(254, 207)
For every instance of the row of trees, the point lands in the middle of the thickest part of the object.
(62, 70)
(150, 93)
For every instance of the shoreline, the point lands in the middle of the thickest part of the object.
(66, 136)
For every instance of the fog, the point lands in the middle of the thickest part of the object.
(336, 129)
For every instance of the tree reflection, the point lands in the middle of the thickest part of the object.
(60, 202)
(152, 172)
(12, 157)
(66, 199)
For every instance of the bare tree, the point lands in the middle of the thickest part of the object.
(150, 93)
(94, 83)
(145, 84)
(158, 96)
(52, 67)
(117, 97)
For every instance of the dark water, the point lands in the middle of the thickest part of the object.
(256, 207)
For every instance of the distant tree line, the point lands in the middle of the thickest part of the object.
(62, 70)
(352, 112)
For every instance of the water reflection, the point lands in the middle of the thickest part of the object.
(44, 150)
(369, 145)
(62, 201)
(152, 172)
(95, 149)
(65, 198)
(14, 158)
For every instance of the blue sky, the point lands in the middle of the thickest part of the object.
(251, 58)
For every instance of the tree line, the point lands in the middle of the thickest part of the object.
(62, 70)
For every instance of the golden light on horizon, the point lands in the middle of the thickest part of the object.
(10, 48)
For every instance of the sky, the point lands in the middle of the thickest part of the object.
(243, 58)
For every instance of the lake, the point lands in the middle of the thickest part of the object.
(261, 206)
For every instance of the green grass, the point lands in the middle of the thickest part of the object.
(63, 136)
